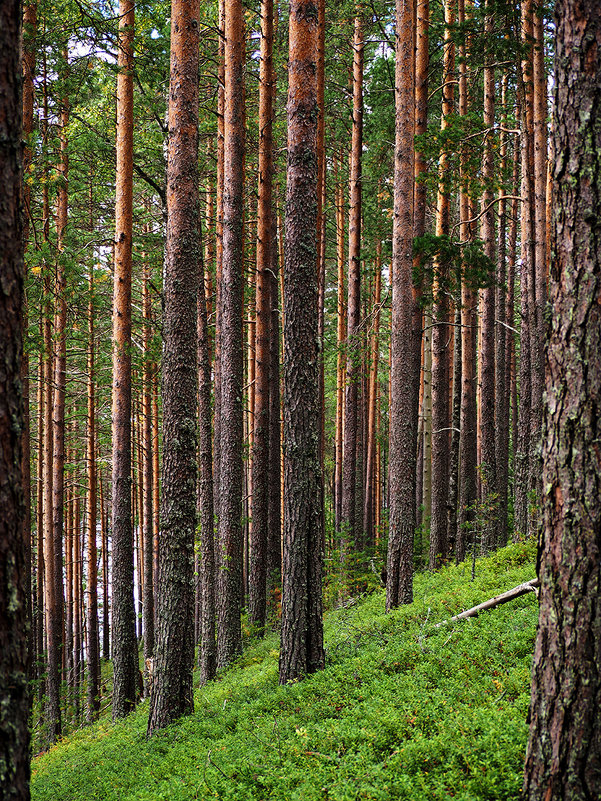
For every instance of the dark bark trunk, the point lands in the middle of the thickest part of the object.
(229, 349)
(406, 327)
(14, 622)
(301, 649)
(171, 687)
(563, 759)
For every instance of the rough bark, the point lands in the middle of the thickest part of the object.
(563, 759)
(171, 690)
(14, 622)
(301, 650)
(125, 653)
(406, 326)
(229, 348)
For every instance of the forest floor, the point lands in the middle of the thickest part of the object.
(403, 710)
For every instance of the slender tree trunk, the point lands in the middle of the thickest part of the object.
(522, 459)
(370, 488)
(501, 343)
(106, 651)
(440, 331)
(538, 288)
(147, 457)
(406, 326)
(563, 759)
(93, 663)
(208, 645)
(125, 654)
(469, 323)
(229, 348)
(171, 691)
(488, 471)
(349, 536)
(301, 649)
(14, 622)
(257, 600)
(341, 355)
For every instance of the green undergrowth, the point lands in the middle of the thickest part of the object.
(403, 710)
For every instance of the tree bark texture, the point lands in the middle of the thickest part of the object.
(563, 759)
(406, 327)
(125, 652)
(301, 649)
(171, 690)
(229, 348)
(14, 622)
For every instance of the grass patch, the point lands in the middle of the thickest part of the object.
(402, 711)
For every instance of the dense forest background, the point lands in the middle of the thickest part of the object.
(480, 261)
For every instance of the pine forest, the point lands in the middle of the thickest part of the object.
(300, 390)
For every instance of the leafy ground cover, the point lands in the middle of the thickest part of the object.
(403, 710)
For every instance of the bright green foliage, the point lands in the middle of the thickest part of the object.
(403, 710)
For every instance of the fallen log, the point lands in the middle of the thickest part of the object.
(521, 589)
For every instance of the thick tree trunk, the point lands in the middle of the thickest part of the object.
(171, 690)
(563, 760)
(125, 652)
(14, 622)
(301, 649)
(406, 326)
(229, 348)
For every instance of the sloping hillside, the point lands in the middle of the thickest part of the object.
(403, 710)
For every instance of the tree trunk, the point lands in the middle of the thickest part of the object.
(301, 649)
(563, 759)
(257, 599)
(522, 458)
(14, 622)
(349, 535)
(488, 472)
(93, 663)
(171, 691)
(125, 652)
(229, 348)
(406, 326)
(469, 323)
(340, 344)
(440, 331)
